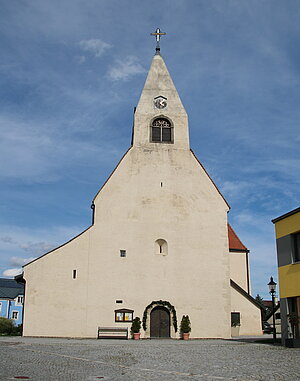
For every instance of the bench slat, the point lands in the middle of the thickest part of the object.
(112, 333)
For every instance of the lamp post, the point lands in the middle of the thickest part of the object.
(272, 290)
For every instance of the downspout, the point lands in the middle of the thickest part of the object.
(247, 265)
(23, 306)
(8, 309)
(132, 134)
(93, 212)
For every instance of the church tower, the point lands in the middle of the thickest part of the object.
(158, 246)
(159, 110)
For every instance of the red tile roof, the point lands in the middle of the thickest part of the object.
(235, 243)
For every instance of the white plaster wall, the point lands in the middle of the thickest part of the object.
(158, 191)
(55, 303)
(250, 314)
(238, 269)
(132, 211)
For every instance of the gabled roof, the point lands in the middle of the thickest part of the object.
(10, 289)
(235, 243)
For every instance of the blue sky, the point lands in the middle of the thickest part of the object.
(71, 72)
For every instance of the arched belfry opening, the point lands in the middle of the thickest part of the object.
(161, 130)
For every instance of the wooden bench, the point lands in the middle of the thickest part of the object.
(112, 333)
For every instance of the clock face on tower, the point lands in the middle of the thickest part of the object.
(160, 102)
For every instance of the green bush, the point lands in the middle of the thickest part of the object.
(185, 325)
(6, 326)
(136, 325)
(17, 330)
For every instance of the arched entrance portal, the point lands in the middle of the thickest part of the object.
(160, 322)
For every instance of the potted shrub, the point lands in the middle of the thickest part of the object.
(135, 328)
(185, 327)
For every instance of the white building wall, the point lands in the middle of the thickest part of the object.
(250, 315)
(158, 191)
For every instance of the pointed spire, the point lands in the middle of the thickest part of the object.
(159, 99)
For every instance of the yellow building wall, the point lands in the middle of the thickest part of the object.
(288, 225)
(289, 280)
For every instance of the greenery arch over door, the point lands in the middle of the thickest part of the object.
(164, 304)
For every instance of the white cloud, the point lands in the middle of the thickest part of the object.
(17, 242)
(94, 46)
(28, 246)
(12, 272)
(36, 153)
(80, 59)
(123, 70)
(234, 188)
(19, 261)
(37, 247)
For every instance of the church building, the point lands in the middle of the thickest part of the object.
(159, 246)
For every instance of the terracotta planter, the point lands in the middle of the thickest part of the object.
(136, 336)
(185, 336)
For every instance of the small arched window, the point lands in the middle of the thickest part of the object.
(161, 247)
(161, 131)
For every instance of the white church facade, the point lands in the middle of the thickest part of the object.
(160, 246)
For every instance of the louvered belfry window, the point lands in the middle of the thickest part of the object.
(161, 131)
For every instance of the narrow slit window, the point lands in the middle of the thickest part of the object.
(74, 274)
(161, 247)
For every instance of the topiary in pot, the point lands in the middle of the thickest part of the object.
(185, 327)
(135, 328)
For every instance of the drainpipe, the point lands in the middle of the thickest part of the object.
(247, 264)
(93, 212)
(8, 309)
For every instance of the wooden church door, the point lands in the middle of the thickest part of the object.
(160, 322)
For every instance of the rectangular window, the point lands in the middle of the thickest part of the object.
(235, 319)
(14, 315)
(123, 315)
(74, 274)
(296, 248)
(122, 253)
(20, 300)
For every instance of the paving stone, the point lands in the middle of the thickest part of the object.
(43, 359)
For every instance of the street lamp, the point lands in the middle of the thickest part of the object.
(272, 290)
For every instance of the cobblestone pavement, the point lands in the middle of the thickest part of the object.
(42, 359)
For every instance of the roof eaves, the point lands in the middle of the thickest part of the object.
(111, 173)
(240, 290)
(58, 247)
(297, 210)
(201, 165)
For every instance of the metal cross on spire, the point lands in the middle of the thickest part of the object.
(157, 34)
